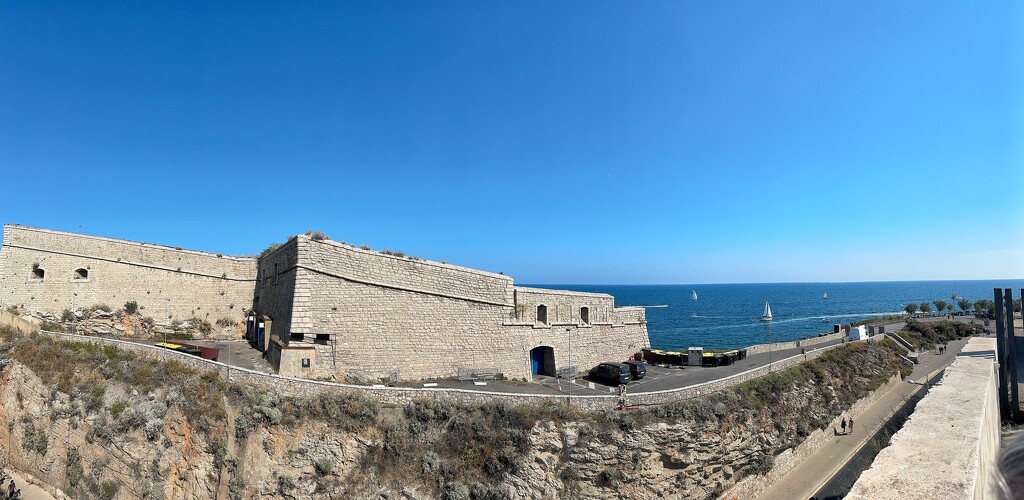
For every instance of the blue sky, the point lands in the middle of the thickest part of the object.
(557, 142)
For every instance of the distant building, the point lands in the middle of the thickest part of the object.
(322, 309)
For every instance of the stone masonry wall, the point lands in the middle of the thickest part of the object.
(563, 307)
(163, 280)
(429, 320)
(376, 330)
(403, 273)
(951, 440)
(275, 287)
(375, 313)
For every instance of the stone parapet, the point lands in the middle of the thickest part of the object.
(79, 271)
(952, 439)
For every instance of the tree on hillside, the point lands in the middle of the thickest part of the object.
(911, 309)
(926, 307)
(940, 305)
(964, 304)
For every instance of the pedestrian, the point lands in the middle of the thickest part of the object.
(843, 425)
(622, 395)
(851, 425)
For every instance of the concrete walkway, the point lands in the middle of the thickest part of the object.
(808, 477)
(28, 491)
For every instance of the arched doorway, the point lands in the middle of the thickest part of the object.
(542, 360)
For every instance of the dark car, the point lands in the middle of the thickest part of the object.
(637, 369)
(611, 373)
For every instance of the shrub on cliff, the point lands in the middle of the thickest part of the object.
(35, 440)
(85, 368)
(928, 335)
(131, 307)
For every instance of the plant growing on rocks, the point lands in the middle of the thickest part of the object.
(131, 307)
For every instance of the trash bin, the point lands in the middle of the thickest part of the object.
(712, 359)
(743, 353)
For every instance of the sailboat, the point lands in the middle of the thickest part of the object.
(825, 296)
(767, 316)
(695, 295)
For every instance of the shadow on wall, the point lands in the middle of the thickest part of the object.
(15, 321)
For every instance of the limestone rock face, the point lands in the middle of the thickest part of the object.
(128, 443)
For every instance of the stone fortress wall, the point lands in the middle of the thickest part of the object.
(362, 310)
(80, 271)
(335, 310)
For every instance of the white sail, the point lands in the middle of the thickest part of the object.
(767, 316)
(695, 295)
(826, 296)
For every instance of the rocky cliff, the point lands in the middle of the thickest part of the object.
(94, 423)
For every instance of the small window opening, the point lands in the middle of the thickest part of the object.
(38, 273)
(323, 338)
(542, 314)
(298, 336)
(81, 274)
(585, 315)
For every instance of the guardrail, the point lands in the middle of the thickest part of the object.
(402, 395)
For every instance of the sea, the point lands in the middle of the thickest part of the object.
(728, 315)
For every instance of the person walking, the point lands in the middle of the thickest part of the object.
(851, 425)
(843, 425)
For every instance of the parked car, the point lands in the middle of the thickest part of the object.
(637, 369)
(611, 373)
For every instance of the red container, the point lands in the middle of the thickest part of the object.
(209, 353)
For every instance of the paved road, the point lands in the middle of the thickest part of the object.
(234, 352)
(808, 477)
(657, 378)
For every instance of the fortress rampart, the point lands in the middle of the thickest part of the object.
(49, 271)
(360, 310)
(323, 309)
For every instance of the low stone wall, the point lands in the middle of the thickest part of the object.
(402, 395)
(778, 346)
(754, 486)
(15, 321)
(900, 342)
(793, 344)
(821, 340)
(951, 440)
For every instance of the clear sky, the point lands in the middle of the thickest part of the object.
(557, 142)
